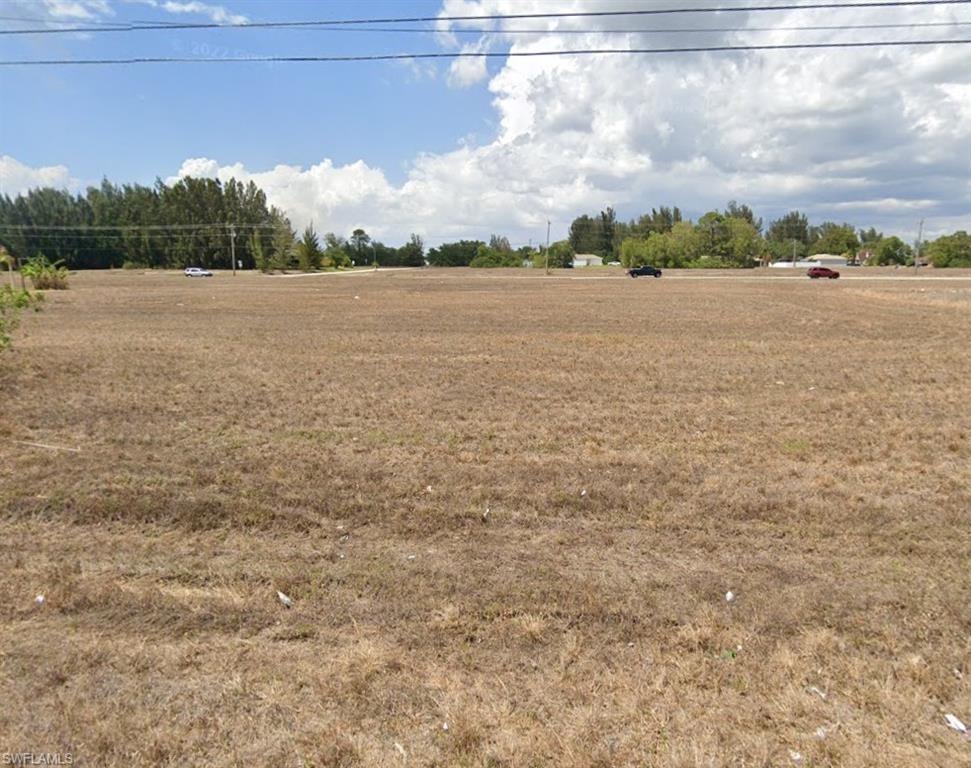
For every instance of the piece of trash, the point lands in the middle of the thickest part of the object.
(796, 756)
(814, 689)
(821, 733)
(284, 599)
(781, 383)
(630, 645)
(485, 516)
(957, 673)
(583, 492)
(39, 599)
(411, 557)
(444, 726)
(956, 724)
(428, 489)
(356, 297)
(812, 389)
(729, 597)
(344, 538)
(401, 749)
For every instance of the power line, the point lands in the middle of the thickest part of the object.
(652, 30)
(135, 27)
(480, 54)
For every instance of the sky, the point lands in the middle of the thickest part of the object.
(452, 149)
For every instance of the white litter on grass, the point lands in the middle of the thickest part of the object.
(485, 515)
(821, 732)
(821, 694)
(411, 557)
(428, 489)
(956, 724)
(284, 599)
(781, 383)
(796, 756)
(356, 298)
(444, 726)
(812, 389)
(47, 446)
(729, 597)
(583, 492)
(39, 599)
(401, 749)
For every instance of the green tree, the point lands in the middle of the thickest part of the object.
(360, 242)
(608, 222)
(585, 235)
(793, 226)
(951, 250)
(458, 254)
(309, 255)
(891, 250)
(734, 210)
(490, 257)
(743, 245)
(283, 246)
(560, 256)
(839, 239)
(412, 253)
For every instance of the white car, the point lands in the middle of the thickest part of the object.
(197, 272)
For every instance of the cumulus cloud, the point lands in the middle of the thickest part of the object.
(15, 177)
(877, 137)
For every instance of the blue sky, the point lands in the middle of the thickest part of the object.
(135, 122)
(876, 137)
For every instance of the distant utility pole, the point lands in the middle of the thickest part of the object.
(547, 246)
(232, 245)
(920, 234)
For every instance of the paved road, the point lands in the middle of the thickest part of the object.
(671, 275)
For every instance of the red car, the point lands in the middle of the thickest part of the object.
(816, 272)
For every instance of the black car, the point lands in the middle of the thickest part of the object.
(645, 271)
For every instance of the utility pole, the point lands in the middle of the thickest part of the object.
(547, 246)
(920, 234)
(232, 245)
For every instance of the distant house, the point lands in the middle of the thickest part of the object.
(820, 260)
(587, 260)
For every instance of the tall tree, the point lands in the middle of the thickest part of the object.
(360, 240)
(283, 246)
(309, 254)
(608, 221)
(793, 226)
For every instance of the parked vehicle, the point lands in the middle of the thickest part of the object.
(644, 271)
(197, 272)
(817, 272)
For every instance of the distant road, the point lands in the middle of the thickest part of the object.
(582, 274)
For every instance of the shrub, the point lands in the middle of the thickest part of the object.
(44, 274)
(12, 301)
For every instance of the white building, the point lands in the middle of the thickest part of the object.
(820, 260)
(587, 260)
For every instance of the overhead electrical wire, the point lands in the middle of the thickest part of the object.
(479, 54)
(138, 27)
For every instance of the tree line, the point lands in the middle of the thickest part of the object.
(735, 237)
(204, 222)
(193, 222)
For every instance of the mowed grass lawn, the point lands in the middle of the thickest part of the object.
(507, 509)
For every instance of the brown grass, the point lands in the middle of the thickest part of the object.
(642, 447)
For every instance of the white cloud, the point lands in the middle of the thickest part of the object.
(876, 136)
(15, 177)
(216, 13)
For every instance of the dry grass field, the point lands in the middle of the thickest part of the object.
(507, 509)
